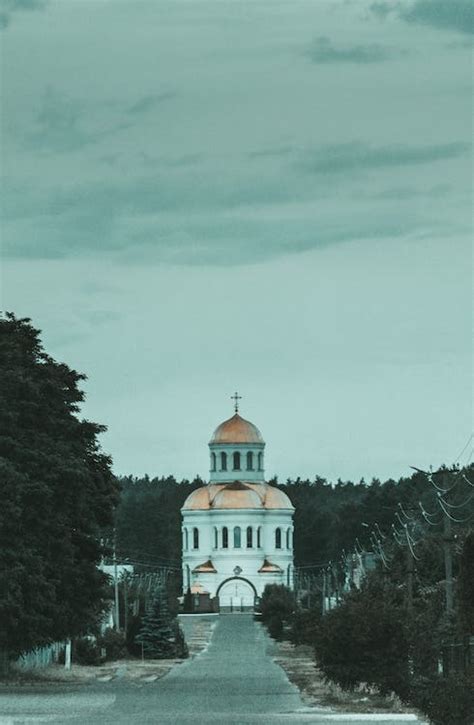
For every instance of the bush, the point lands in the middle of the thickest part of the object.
(114, 644)
(276, 605)
(445, 700)
(304, 626)
(86, 652)
(134, 625)
(275, 626)
(364, 641)
(188, 604)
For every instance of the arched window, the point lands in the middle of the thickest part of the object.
(237, 537)
(288, 576)
(260, 461)
(185, 539)
(195, 538)
(277, 538)
(250, 461)
(236, 460)
(259, 537)
(216, 537)
(213, 461)
(225, 537)
(249, 537)
(223, 461)
(288, 532)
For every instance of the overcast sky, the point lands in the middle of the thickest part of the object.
(269, 197)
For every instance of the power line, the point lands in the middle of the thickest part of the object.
(468, 441)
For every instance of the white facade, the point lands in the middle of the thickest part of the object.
(237, 529)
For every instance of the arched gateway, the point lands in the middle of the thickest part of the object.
(236, 595)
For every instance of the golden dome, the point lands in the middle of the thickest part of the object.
(236, 430)
(237, 495)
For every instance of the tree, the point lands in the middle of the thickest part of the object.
(364, 640)
(276, 605)
(57, 490)
(466, 586)
(160, 634)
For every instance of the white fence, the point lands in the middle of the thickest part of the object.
(40, 657)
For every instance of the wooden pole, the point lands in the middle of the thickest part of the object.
(448, 554)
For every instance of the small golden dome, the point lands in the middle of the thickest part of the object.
(236, 430)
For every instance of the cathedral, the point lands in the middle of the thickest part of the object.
(237, 529)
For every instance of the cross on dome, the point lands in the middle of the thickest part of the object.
(236, 397)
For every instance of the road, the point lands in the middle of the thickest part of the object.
(234, 681)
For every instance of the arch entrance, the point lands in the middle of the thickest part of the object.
(236, 595)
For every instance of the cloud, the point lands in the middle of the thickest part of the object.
(402, 193)
(60, 125)
(9, 7)
(148, 103)
(276, 152)
(322, 50)
(457, 15)
(359, 156)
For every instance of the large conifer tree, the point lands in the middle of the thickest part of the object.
(160, 635)
(57, 491)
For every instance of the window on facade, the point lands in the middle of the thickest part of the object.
(250, 461)
(249, 537)
(225, 537)
(260, 461)
(195, 538)
(213, 461)
(288, 538)
(216, 538)
(277, 538)
(237, 537)
(236, 460)
(259, 537)
(223, 461)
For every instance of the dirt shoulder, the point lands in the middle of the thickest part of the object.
(299, 665)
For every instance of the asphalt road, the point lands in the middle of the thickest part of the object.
(234, 681)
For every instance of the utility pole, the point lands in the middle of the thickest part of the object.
(410, 569)
(125, 604)
(324, 592)
(116, 589)
(448, 554)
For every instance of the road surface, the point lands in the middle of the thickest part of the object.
(234, 681)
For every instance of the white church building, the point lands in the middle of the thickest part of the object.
(237, 529)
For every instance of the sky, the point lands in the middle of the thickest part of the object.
(270, 197)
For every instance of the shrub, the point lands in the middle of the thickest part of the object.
(134, 625)
(275, 626)
(188, 604)
(114, 644)
(86, 652)
(304, 626)
(445, 700)
(276, 605)
(364, 641)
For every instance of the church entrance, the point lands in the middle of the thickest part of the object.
(236, 595)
